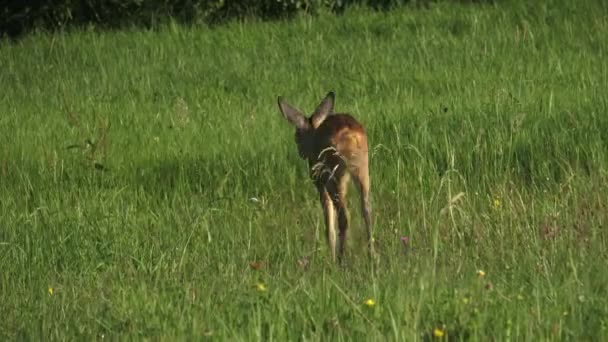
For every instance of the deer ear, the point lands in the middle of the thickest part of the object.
(294, 116)
(325, 108)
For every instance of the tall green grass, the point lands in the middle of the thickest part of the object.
(141, 172)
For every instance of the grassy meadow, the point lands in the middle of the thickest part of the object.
(149, 187)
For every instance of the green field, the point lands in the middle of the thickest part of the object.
(143, 171)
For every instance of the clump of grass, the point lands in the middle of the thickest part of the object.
(93, 150)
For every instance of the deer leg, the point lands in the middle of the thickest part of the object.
(330, 219)
(343, 216)
(363, 184)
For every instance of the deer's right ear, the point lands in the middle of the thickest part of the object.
(325, 108)
(294, 116)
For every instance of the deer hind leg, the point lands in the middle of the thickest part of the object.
(362, 181)
(343, 216)
(329, 212)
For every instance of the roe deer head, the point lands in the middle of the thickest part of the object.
(335, 146)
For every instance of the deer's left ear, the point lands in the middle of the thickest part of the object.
(325, 108)
(294, 116)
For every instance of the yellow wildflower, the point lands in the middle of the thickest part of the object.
(496, 203)
(51, 291)
(438, 332)
(370, 302)
(261, 287)
(480, 273)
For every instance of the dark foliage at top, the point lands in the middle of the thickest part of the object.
(19, 16)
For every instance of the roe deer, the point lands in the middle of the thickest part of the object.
(335, 146)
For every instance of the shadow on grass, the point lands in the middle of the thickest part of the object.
(216, 177)
(203, 176)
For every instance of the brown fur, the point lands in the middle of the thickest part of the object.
(336, 148)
